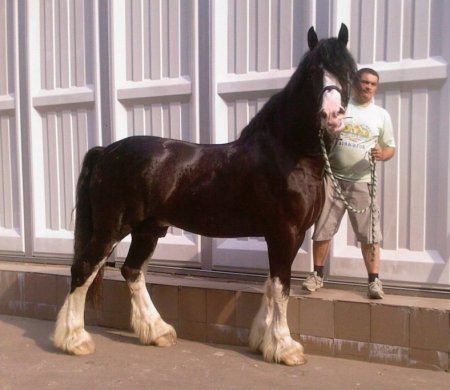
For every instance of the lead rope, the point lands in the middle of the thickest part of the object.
(338, 189)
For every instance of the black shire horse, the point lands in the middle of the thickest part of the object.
(268, 183)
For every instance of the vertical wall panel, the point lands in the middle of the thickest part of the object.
(421, 38)
(274, 31)
(11, 233)
(389, 184)
(286, 34)
(155, 42)
(63, 81)
(174, 60)
(262, 37)
(5, 34)
(7, 184)
(367, 33)
(154, 37)
(241, 39)
(83, 42)
(418, 169)
(156, 91)
(405, 162)
(63, 113)
(136, 36)
(11, 198)
(394, 29)
(408, 27)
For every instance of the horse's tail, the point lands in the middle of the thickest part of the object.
(83, 223)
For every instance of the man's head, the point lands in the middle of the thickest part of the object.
(365, 85)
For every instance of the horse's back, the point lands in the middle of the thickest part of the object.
(165, 179)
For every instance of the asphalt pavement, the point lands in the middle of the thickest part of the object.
(28, 360)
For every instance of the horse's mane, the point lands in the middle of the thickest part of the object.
(330, 55)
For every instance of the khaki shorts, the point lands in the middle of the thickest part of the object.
(358, 196)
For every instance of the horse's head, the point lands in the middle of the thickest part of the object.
(316, 96)
(332, 70)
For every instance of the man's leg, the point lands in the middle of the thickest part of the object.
(371, 255)
(320, 255)
(321, 249)
(362, 224)
(325, 228)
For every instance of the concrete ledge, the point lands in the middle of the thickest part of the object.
(401, 330)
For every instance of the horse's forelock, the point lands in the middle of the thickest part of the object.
(336, 58)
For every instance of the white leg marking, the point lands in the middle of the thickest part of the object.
(70, 334)
(145, 319)
(262, 319)
(277, 344)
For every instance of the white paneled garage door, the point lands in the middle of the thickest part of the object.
(79, 73)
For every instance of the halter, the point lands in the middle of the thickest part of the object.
(332, 88)
(344, 99)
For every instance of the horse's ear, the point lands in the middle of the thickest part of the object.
(343, 34)
(312, 38)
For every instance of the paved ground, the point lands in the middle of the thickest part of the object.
(28, 360)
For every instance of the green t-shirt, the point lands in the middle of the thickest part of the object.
(365, 126)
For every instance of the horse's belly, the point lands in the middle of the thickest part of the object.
(223, 225)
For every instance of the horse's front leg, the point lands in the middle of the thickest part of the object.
(278, 345)
(262, 320)
(270, 332)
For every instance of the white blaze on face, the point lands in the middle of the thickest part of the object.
(332, 112)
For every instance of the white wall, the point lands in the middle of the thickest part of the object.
(77, 73)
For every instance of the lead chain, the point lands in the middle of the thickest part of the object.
(338, 189)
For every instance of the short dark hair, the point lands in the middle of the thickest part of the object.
(371, 71)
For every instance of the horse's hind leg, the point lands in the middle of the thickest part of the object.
(70, 334)
(145, 319)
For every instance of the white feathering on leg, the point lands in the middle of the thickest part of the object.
(69, 334)
(262, 319)
(145, 319)
(278, 345)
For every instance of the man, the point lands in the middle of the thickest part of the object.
(367, 131)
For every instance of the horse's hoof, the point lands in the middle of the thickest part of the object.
(80, 345)
(167, 339)
(294, 358)
(286, 351)
(292, 354)
(85, 348)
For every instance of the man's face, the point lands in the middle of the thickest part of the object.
(365, 88)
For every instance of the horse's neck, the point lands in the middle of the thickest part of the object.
(290, 120)
(301, 128)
